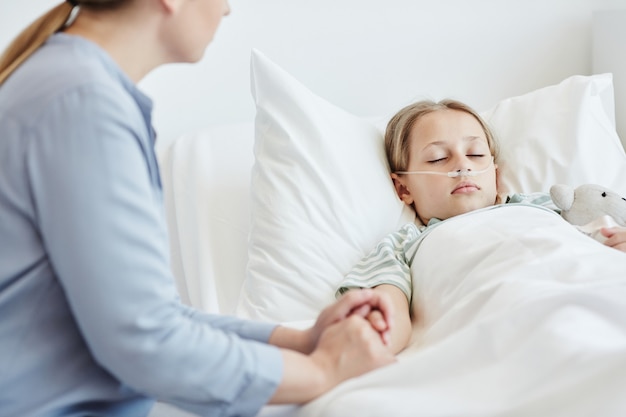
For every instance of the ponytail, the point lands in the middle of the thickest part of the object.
(32, 38)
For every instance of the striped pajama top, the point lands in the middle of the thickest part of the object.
(390, 261)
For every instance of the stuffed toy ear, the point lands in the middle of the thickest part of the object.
(562, 196)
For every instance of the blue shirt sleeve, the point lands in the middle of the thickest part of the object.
(101, 221)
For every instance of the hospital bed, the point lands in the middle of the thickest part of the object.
(266, 217)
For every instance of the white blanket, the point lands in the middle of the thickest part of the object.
(522, 315)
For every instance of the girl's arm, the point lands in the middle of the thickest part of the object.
(398, 336)
(387, 268)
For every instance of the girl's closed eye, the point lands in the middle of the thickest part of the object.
(443, 159)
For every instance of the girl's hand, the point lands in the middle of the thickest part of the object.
(378, 323)
(616, 237)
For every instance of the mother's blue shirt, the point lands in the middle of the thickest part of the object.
(90, 321)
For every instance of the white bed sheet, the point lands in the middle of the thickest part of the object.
(523, 316)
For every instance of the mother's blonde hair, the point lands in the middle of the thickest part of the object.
(31, 38)
(397, 143)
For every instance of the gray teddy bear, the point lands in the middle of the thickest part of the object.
(587, 203)
(590, 207)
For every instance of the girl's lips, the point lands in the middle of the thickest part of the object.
(465, 188)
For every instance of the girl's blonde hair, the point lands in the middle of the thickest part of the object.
(40, 30)
(397, 144)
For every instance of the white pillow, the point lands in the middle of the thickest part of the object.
(563, 133)
(322, 196)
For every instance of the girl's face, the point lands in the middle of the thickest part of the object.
(443, 141)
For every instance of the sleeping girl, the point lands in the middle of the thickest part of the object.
(444, 163)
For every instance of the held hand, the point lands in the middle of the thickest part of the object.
(616, 237)
(396, 338)
(378, 323)
(346, 349)
(356, 302)
(350, 348)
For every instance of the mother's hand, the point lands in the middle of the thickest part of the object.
(355, 302)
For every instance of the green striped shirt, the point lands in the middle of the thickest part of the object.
(390, 261)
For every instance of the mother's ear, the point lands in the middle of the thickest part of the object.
(170, 5)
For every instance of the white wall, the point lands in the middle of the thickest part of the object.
(368, 56)
(609, 38)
